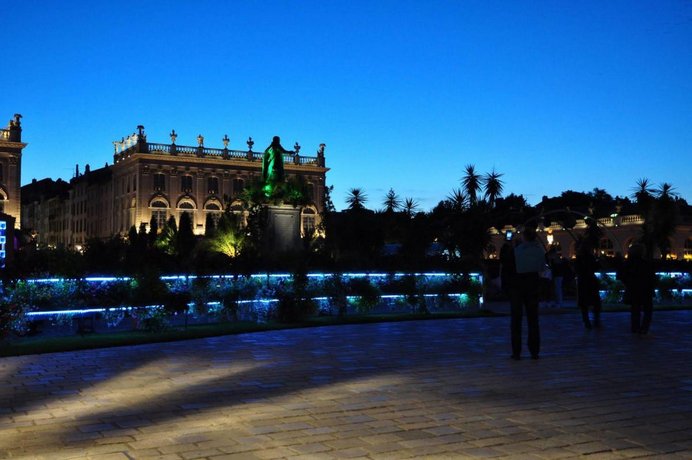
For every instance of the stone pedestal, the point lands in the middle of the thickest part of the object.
(283, 228)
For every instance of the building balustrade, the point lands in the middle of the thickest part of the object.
(5, 134)
(631, 220)
(129, 147)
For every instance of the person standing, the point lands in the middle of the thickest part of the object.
(530, 261)
(588, 296)
(639, 277)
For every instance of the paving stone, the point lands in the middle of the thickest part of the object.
(419, 389)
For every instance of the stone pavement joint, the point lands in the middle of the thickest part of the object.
(420, 389)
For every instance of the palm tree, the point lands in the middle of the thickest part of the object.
(665, 216)
(410, 206)
(471, 183)
(660, 213)
(666, 191)
(356, 199)
(458, 199)
(392, 202)
(493, 186)
(643, 196)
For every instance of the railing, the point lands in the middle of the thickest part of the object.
(631, 220)
(182, 150)
(4, 134)
(308, 161)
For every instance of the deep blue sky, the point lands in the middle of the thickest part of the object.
(556, 95)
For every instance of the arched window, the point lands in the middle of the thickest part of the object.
(159, 212)
(214, 210)
(188, 208)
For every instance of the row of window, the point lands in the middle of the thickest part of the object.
(186, 184)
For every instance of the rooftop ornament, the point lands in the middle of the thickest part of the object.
(200, 140)
(225, 141)
(173, 135)
(250, 143)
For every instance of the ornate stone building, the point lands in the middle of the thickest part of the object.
(161, 180)
(11, 146)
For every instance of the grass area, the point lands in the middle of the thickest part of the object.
(51, 344)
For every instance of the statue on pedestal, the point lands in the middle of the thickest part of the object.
(273, 166)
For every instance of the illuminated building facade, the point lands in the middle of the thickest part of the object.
(618, 234)
(155, 180)
(11, 147)
(163, 180)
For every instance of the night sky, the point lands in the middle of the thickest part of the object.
(556, 95)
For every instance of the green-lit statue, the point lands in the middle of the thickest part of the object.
(273, 166)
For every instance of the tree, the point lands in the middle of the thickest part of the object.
(493, 186)
(458, 200)
(153, 231)
(356, 199)
(229, 236)
(166, 240)
(659, 211)
(410, 206)
(391, 202)
(665, 217)
(132, 236)
(185, 238)
(471, 183)
(209, 226)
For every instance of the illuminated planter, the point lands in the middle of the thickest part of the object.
(99, 304)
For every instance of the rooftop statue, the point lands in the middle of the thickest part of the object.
(273, 166)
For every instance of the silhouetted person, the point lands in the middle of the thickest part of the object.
(639, 277)
(588, 296)
(530, 261)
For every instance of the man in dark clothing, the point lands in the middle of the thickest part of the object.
(639, 277)
(530, 260)
(588, 296)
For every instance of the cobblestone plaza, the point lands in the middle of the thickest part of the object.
(421, 389)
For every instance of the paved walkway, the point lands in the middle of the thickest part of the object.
(424, 389)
